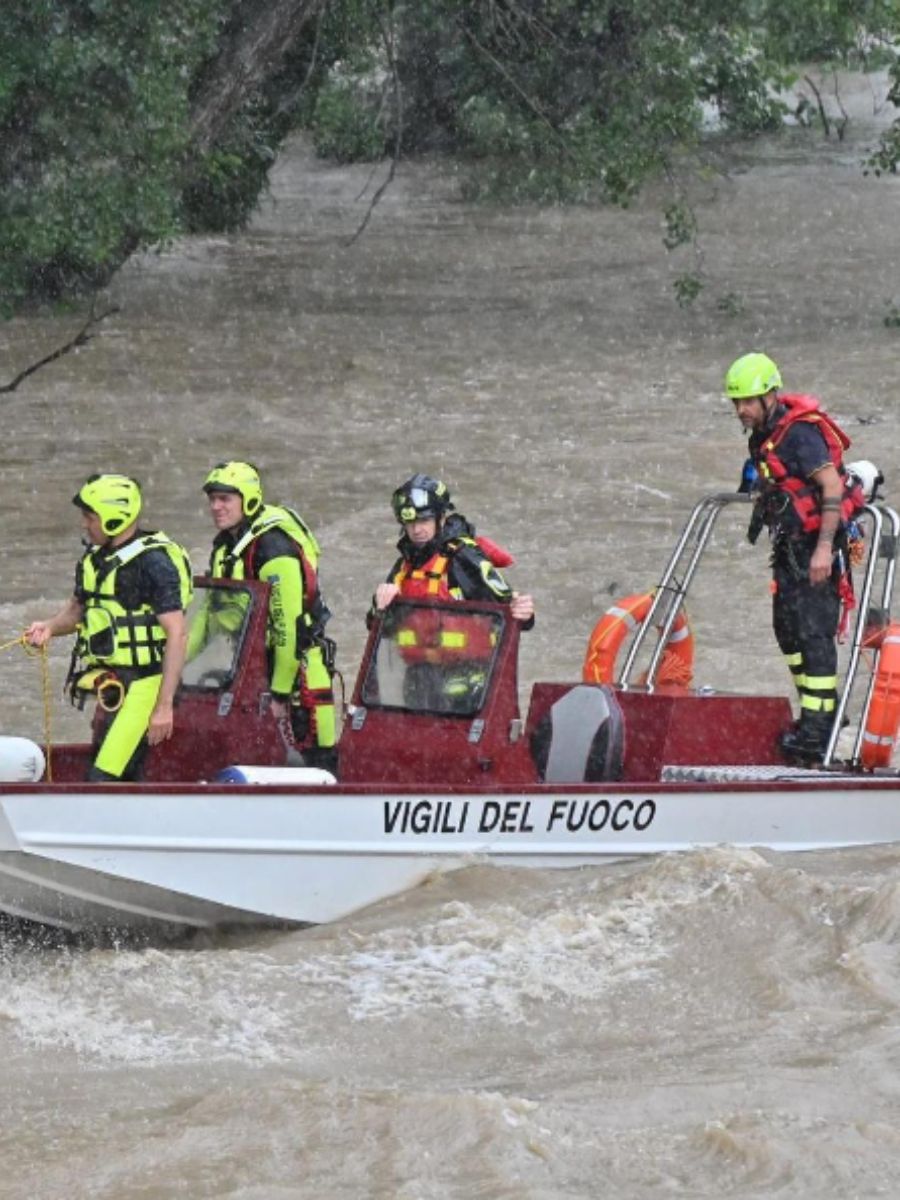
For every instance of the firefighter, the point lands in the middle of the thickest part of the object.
(806, 499)
(273, 544)
(442, 559)
(131, 589)
(440, 556)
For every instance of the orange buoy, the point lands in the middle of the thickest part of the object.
(677, 663)
(883, 720)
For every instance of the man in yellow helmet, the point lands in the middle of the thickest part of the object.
(273, 544)
(131, 589)
(805, 498)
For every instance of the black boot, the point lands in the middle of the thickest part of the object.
(805, 743)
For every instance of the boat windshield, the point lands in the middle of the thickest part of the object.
(433, 659)
(217, 622)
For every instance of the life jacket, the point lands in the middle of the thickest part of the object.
(434, 635)
(802, 494)
(111, 634)
(238, 561)
(431, 580)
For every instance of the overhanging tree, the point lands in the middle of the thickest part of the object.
(124, 124)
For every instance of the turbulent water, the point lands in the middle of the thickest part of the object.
(723, 1023)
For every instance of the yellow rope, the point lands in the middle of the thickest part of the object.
(42, 652)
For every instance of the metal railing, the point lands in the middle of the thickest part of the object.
(673, 586)
(679, 572)
(882, 552)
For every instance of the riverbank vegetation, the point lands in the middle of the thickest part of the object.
(123, 125)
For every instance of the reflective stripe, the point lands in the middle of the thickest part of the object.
(817, 703)
(875, 740)
(624, 615)
(821, 683)
(448, 639)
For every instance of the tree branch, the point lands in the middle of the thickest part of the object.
(823, 116)
(81, 338)
(529, 101)
(387, 36)
(266, 31)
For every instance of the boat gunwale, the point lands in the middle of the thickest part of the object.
(846, 782)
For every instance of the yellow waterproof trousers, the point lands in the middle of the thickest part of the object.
(125, 731)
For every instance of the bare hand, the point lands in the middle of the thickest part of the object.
(162, 722)
(38, 633)
(385, 594)
(820, 564)
(279, 709)
(521, 607)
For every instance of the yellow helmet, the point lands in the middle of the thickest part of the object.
(116, 500)
(751, 375)
(240, 477)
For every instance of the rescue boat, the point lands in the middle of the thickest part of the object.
(440, 769)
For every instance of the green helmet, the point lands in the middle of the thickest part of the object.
(751, 375)
(240, 477)
(116, 500)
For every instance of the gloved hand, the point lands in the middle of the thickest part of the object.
(757, 520)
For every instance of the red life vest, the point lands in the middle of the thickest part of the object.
(431, 582)
(803, 494)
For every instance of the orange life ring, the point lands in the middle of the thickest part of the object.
(883, 721)
(677, 663)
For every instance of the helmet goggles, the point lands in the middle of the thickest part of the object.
(420, 498)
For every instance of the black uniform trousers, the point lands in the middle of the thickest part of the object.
(805, 620)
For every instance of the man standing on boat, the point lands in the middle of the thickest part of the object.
(131, 590)
(442, 559)
(273, 544)
(805, 498)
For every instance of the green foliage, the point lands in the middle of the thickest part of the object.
(892, 317)
(96, 136)
(731, 305)
(546, 100)
(681, 225)
(345, 127)
(687, 288)
(224, 184)
(579, 100)
(93, 107)
(884, 160)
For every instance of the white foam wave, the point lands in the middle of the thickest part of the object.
(568, 945)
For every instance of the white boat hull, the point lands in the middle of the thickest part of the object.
(173, 859)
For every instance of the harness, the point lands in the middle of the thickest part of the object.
(802, 495)
(115, 644)
(111, 634)
(239, 562)
(431, 580)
